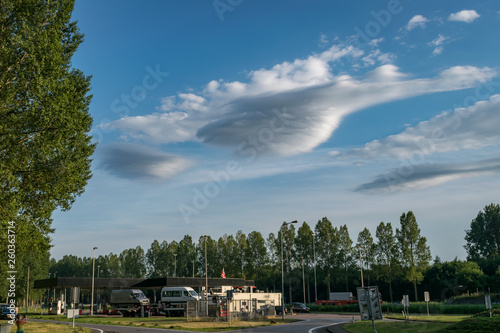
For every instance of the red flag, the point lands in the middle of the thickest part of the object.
(223, 275)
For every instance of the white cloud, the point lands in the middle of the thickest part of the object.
(231, 114)
(466, 16)
(323, 40)
(439, 40)
(437, 44)
(465, 128)
(416, 21)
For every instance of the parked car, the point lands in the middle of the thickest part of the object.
(6, 311)
(299, 307)
(278, 309)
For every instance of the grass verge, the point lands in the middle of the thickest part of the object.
(170, 323)
(432, 318)
(32, 326)
(396, 327)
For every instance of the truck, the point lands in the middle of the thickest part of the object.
(341, 298)
(129, 302)
(174, 300)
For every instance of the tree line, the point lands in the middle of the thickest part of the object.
(398, 260)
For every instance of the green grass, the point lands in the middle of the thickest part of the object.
(396, 327)
(178, 323)
(476, 325)
(437, 308)
(432, 318)
(32, 326)
(481, 323)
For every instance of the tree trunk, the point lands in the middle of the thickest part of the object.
(416, 295)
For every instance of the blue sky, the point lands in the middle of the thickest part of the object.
(219, 116)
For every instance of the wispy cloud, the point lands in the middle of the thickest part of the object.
(427, 175)
(466, 16)
(417, 21)
(133, 161)
(465, 128)
(307, 93)
(437, 43)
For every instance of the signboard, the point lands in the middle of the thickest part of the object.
(75, 295)
(406, 301)
(427, 296)
(73, 313)
(369, 303)
(487, 300)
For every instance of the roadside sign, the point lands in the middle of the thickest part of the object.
(369, 303)
(427, 298)
(487, 300)
(363, 300)
(75, 296)
(406, 301)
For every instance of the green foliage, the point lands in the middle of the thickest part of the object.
(386, 254)
(253, 257)
(436, 308)
(45, 148)
(483, 237)
(415, 253)
(477, 325)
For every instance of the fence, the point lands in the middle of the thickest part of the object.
(226, 310)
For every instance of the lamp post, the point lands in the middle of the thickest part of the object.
(283, 273)
(54, 298)
(93, 271)
(175, 264)
(303, 280)
(27, 292)
(48, 298)
(314, 257)
(361, 266)
(98, 298)
(206, 276)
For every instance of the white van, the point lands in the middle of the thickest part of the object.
(174, 299)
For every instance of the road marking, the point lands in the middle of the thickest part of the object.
(314, 328)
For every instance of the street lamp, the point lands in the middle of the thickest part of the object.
(283, 273)
(361, 266)
(48, 298)
(175, 264)
(55, 273)
(206, 275)
(98, 298)
(27, 292)
(303, 280)
(93, 271)
(314, 257)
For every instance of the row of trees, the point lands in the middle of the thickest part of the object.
(396, 254)
(398, 260)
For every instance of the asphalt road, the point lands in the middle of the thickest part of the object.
(310, 323)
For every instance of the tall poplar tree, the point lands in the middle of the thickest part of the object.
(386, 252)
(483, 237)
(415, 253)
(45, 146)
(327, 249)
